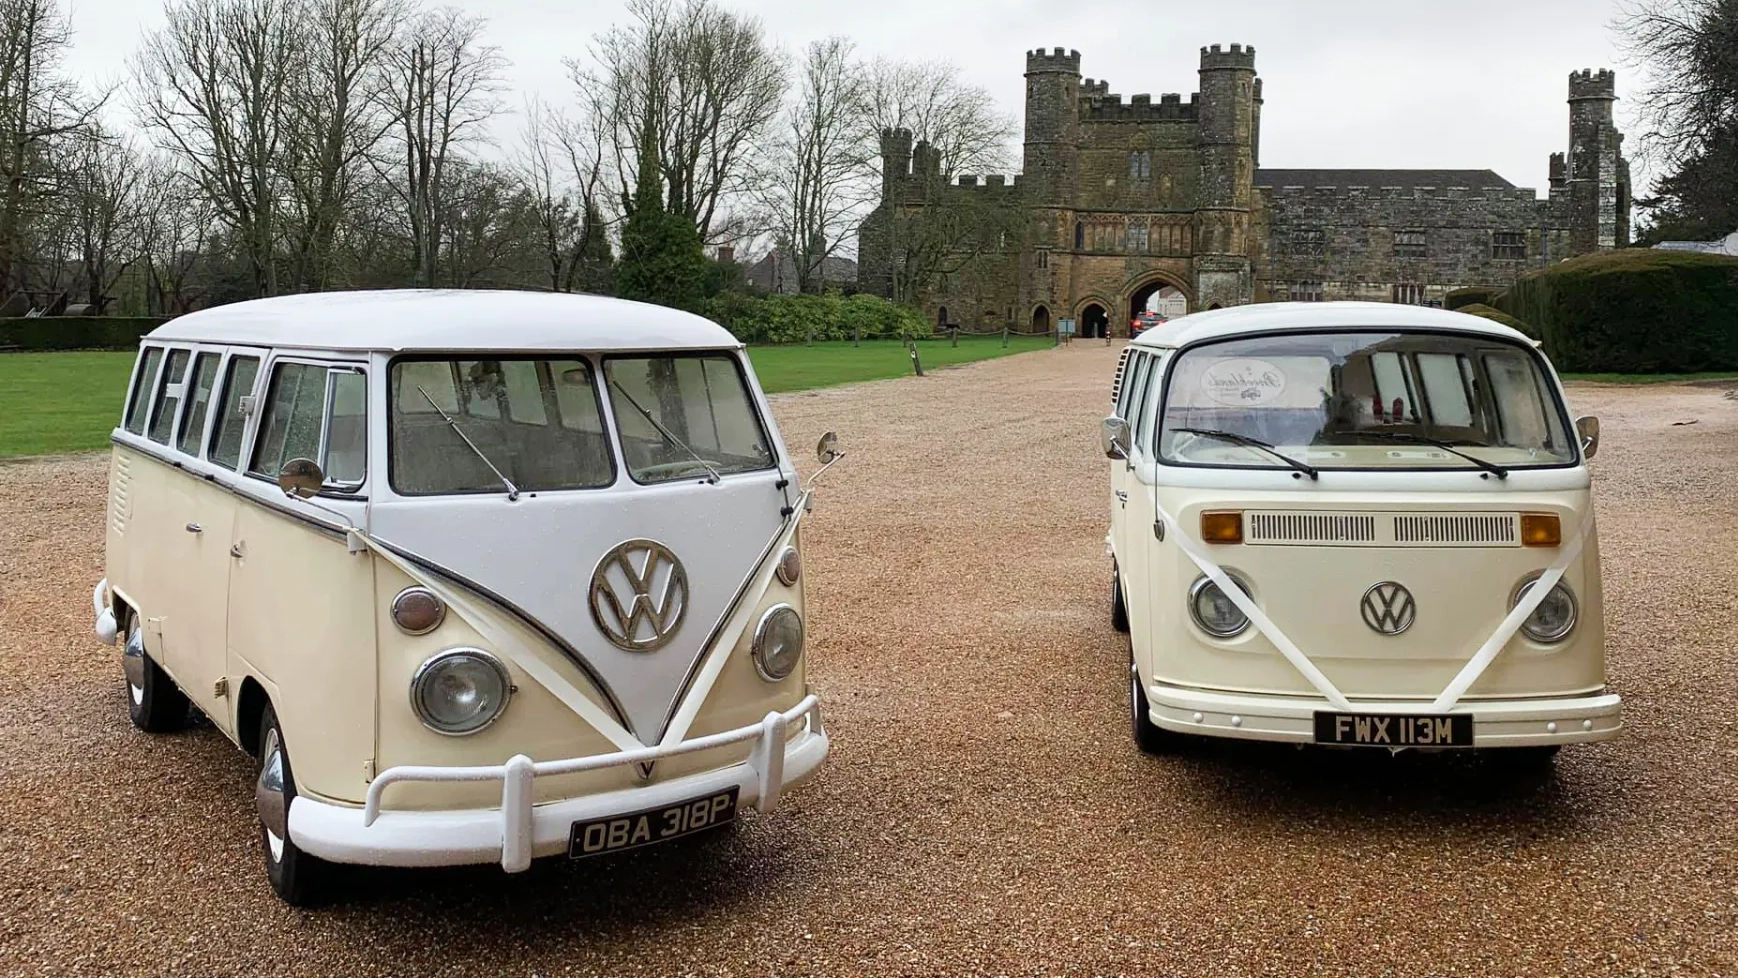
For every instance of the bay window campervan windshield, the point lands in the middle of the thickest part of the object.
(1363, 400)
(541, 421)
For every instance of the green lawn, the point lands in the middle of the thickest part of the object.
(1651, 378)
(51, 403)
(60, 402)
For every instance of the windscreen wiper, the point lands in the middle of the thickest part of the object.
(1490, 467)
(712, 475)
(512, 490)
(1237, 439)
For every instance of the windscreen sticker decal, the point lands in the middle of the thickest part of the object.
(1242, 381)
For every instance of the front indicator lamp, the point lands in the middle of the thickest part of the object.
(1222, 527)
(1541, 530)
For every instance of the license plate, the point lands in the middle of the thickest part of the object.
(1394, 729)
(622, 832)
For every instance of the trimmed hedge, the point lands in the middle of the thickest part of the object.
(1472, 295)
(797, 318)
(1497, 315)
(76, 332)
(1634, 311)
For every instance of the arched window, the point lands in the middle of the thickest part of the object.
(1146, 166)
(1134, 166)
(1079, 236)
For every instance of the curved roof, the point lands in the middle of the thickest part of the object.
(1272, 316)
(447, 319)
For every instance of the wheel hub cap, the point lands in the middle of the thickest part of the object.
(269, 796)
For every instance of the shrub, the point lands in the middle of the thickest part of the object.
(1638, 310)
(1497, 315)
(797, 318)
(76, 332)
(1472, 295)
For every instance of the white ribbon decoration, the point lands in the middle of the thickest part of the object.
(1456, 688)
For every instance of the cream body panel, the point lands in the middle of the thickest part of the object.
(301, 615)
(1312, 594)
(195, 568)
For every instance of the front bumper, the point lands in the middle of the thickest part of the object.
(518, 830)
(1291, 719)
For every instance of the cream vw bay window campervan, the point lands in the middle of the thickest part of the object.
(1354, 524)
(476, 576)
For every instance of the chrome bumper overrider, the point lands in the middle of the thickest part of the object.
(519, 829)
(1496, 723)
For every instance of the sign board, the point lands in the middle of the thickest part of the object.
(1065, 327)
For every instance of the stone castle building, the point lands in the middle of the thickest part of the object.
(1122, 200)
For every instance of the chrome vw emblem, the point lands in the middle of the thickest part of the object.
(1388, 608)
(639, 593)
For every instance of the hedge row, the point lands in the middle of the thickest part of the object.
(1497, 315)
(798, 318)
(75, 332)
(1638, 310)
(1472, 295)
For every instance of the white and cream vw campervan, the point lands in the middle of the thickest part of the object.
(476, 576)
(1354, 524)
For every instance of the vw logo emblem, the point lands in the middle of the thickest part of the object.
(1388, 608)
(639, 593)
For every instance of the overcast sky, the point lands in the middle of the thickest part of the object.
(1348, 83)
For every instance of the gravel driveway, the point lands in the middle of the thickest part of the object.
(984, 811)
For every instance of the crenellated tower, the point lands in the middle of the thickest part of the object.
(1227, 137)
(1596, 176)
(895, 162)
(1050, 171)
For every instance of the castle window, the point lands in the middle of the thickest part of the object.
(1043, 258)
(1138, 236)
(1306, 291)
(1508, 245)
(1308, 241)
(1409, 244)
(1146, 166)
(1140, 166)
(1079, 236)
(1411, 294)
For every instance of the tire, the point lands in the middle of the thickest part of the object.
(296, 877)
(1118, 606)
(154, 703)
(1149, 736)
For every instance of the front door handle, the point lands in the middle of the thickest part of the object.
(237, 550)
(1123, 496)
(195, 528)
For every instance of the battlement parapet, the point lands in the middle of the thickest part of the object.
(1055, 61)
(991, 183)
(1590, 84)
(1334, 193)
(1239, 58)
(1139, 108)
(1092, 88)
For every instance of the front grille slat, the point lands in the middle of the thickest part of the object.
(1342, 529)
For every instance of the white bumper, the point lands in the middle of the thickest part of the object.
(518, 831)
(1291, 719)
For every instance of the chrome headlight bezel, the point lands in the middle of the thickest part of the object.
(418, 591)
(1196, 589)
(757, 646)
(1561, 587)
(427, 670)
(790, 567)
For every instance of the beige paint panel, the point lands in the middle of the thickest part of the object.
(1312, 594)
(301, 614)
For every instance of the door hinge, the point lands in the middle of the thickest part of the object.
(220, 689)
(368, 770)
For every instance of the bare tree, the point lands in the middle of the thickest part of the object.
(176, 224)
(554, 207)
(930, 98)
(103, 211)
(38, 104)
(815, 185)
(443, 83)
(212, 87)
(1688, 50)
(715, 84)
(336, 117)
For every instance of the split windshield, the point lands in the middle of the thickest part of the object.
(1363, 400)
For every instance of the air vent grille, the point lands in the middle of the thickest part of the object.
(120, 495)
(1116, 384)
(1290, 528)
(1316, 528)
(1458, 530)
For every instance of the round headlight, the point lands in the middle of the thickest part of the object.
(778, 642)
(1213, 611)
(1555, 617)
(790, 566)
(460, 691)
(417, 610)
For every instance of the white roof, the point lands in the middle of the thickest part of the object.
(447, 319)
(1266, 317)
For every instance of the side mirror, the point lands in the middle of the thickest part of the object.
(1588, 429)
(301, 477)
(827, 448)
(1114, 437)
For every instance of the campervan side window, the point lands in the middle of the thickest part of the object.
(314, 412)
(193, 419)
(169, 391)
(226, 436)
(142, 386)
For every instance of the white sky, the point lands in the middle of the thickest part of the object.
(1348, 83)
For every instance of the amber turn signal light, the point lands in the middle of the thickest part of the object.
(1541, 530)
(1222, 527)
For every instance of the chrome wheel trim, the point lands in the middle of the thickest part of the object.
(133, 664)
(269, 796)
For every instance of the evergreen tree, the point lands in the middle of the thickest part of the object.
(661, 258)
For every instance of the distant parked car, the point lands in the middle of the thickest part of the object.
(1143, 322)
